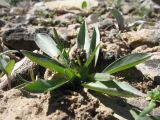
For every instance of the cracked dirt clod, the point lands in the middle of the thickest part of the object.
(142, 37)
(68, 105)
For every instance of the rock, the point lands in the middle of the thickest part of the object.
(151, 67)
(69, 4)
(17, 11)
(111, 51)
(19, 19)
(65, 17)
(146, 49)
(25, 19)
(148, 37)
(93, 18)
(126, 8)
(4, 11)
(21, 38)
(30, 19)
(2, 46)
(111, 47)
(2, 23)
(3, 3)
(149, 4)
(107, 23)
(40, 6)
(21, 68)
(157, 25)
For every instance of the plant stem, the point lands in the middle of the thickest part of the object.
(148, 109)
(9, 82)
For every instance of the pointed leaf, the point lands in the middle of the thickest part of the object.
(70, 73)
(101, 77)
(94, 42)
(91, 58)
(83, 37)
(57, 39)
(3, 63)
(57, 83)
(47, 45)
(119, 17)
(113, 88)
(148, 109)
(84, 4)
(9, 67)
(45, 61)
(126, 62)
(37, 86)
(146, 117)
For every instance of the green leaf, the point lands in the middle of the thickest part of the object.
(57, 39)
(22, 79)
(9, 67)
(148, 109)
(134, 114)
(101, 77)
(47, 45)
(40, 86)
(37, 86)
(119, 17)
(3, 63)
(60, 45)
(45, 61)
(70, 73)
(94, 42)
(91, 58)
(83, 38)
(57, 83)
(113, 88)
(126, 62)
(4, 59)
(84, 4)
(155, 94)
(146, 117)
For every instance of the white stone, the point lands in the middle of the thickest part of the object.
(151, 67)
(69, 4)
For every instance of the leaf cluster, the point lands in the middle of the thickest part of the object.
(57, 59)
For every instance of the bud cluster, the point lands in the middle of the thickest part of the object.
(79, 53)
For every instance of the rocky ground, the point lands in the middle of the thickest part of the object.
(18, 26)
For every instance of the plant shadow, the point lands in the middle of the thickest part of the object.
(59, 101)
(118, 105)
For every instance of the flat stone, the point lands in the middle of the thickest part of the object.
(141, 103)
(93, 18)
(126, 8)
(107, 23)
(69, 4)
(151, 67)
(148, 37)
(65, 17)
(21, 38)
